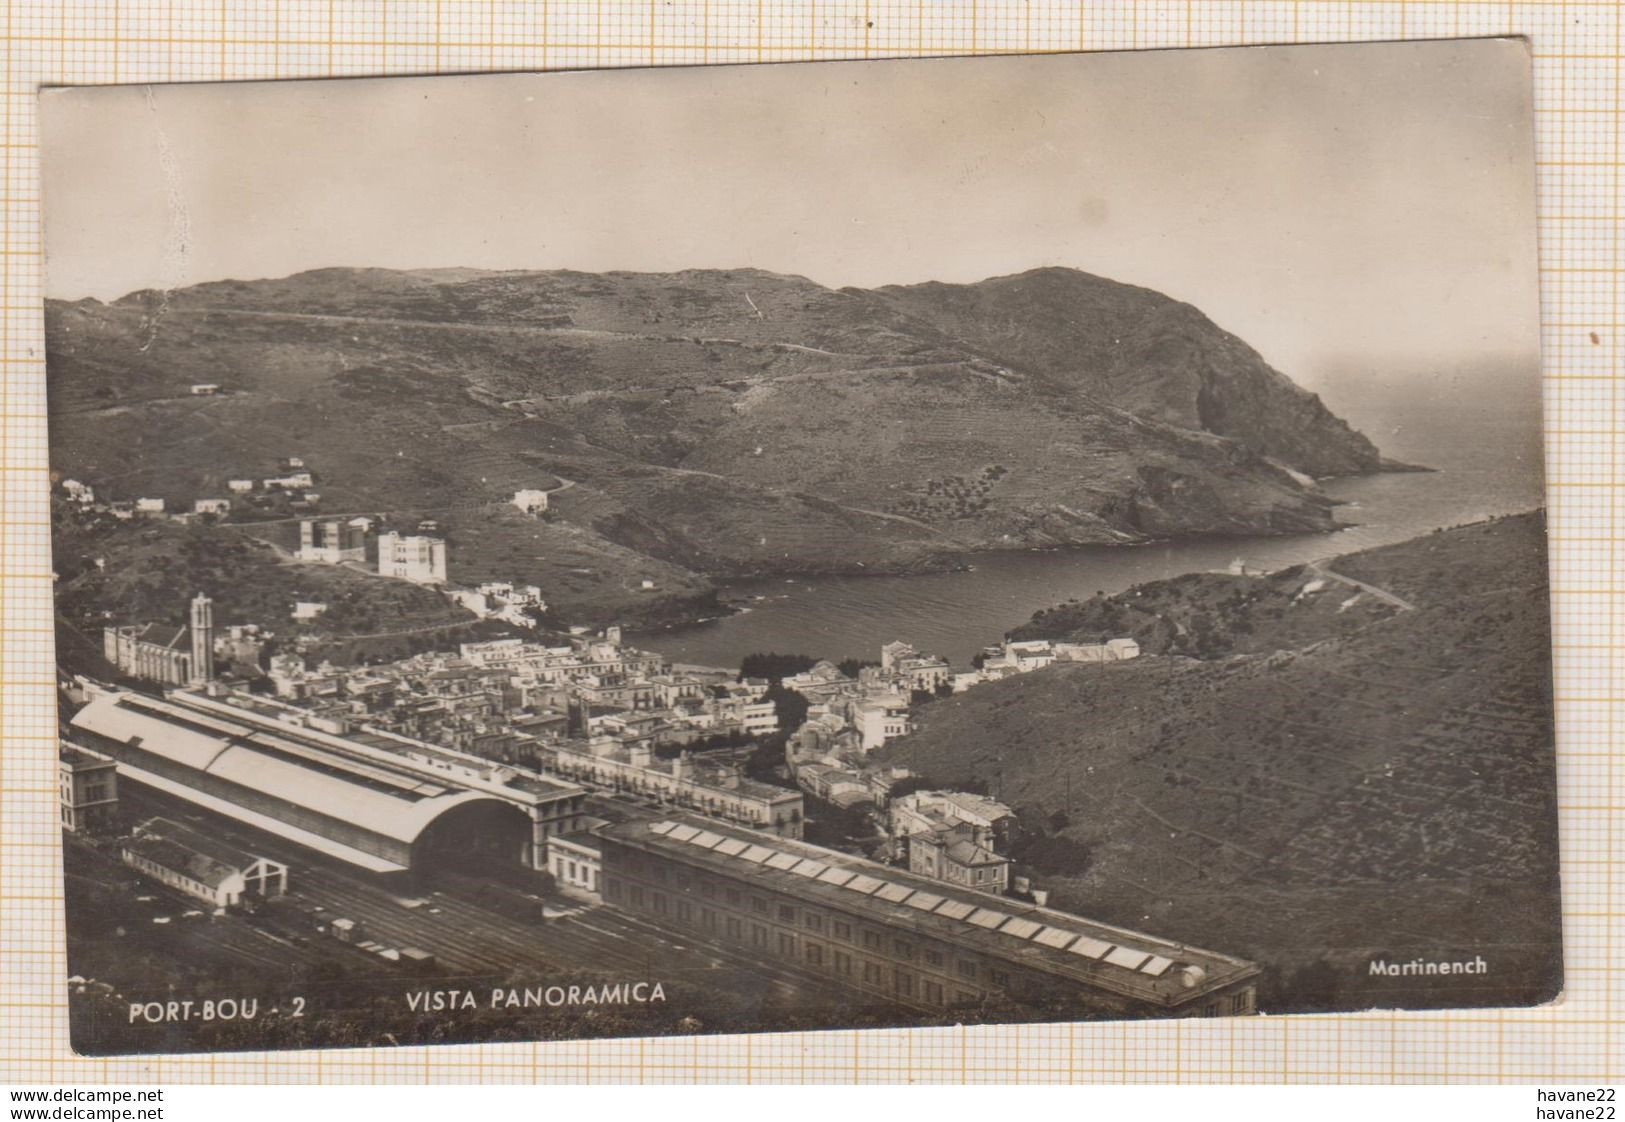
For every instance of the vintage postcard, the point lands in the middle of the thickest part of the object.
(800, 547)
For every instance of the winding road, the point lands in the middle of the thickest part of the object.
(1319, 569)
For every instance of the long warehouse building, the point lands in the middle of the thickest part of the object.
(887, 935)
(378, 803)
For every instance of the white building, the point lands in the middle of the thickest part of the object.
(78, 492)
(308, 609)
(905, 669)
(209, 870)
(1112, 650)
(205, 389)
(760, 717)
(149, 506)
(240, 486)
(421, 560)
(718, 791)
(577, 861)
(922, 811)
(530, 500)
(879, 719)
(212, 506)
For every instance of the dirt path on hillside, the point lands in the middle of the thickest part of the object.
(1319, 569)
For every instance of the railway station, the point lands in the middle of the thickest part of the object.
(897, 938)
(381, 803)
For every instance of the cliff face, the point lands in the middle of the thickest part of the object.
(1141, 351)
(716, 422)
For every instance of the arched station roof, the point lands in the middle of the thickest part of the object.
(394, 803)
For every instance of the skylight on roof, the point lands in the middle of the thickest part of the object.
(705, 839)
(1022, 928)
(988, 918)
(924, 901)
(758, 854)
(784, 860)
(810, 868)
(955, 909)
(1156, 966)
(731, 847)
(683, 833)
(836, 876)
(662, 828)
(1089, 948)
(1127, 958)
(895, 893)
(863, 883)
(1055, 937)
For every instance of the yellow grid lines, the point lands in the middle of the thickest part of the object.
(1578, 59)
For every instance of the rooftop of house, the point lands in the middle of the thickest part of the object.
(698, 772)
(163, 635)
(969, 854)
(76, 759)
(181, 860)
(979, 805)
(183, 850)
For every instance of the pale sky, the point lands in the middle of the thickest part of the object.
(1373, 203)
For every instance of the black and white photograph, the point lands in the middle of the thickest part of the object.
(706, 550)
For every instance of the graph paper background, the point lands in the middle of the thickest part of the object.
(1577, 48)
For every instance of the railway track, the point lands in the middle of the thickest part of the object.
(457, 922)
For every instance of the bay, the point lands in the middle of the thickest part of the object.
(1487, 459)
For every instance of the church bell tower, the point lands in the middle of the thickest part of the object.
(202, 639)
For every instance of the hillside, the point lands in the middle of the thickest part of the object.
(1143, 352)
(712, 423)
(1380, 788)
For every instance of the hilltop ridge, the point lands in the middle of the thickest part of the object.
(717, 422)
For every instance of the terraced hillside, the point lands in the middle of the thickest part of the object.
(1376, 788)
(716, 423)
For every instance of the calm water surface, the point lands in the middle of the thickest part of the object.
(1487, 460)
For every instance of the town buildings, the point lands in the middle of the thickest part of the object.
(1026, 655)
(954, 836)
(503, 600)
(172, 656)
(717, 790)
(416, 558)
(593, 712)
(822, 682)
(87, 791)
(925, 811)
(905, 670)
